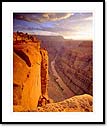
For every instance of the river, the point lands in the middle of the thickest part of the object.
(67, 92)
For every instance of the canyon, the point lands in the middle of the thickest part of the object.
(51, 74)
(73, 62)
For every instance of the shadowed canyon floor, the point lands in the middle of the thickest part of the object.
(66, 91)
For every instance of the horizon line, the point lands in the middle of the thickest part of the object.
(56, 35)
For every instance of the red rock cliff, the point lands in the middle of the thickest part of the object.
(30, 72)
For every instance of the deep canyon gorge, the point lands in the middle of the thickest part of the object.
(52, 74)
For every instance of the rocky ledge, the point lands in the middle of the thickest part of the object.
(80, 103)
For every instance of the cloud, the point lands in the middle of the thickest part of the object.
(41, 17)
(56, 16)
(89, 18)
(66, 24)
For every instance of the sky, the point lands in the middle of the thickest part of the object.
(69, 25)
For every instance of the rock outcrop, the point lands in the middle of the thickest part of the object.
(44, 72)
(30, 72)
(80, 103)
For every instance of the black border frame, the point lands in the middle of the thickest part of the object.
(104, 119)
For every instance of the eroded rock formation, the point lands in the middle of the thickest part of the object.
(80, 103)
(44, 72)
(30, 72)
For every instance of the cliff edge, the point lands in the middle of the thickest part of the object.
(30, 80)
(30, 69)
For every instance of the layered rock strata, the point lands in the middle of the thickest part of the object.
(75, 68)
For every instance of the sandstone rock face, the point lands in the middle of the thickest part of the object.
(80, 103)
(30, 65)
(44, 72)
(27, 64)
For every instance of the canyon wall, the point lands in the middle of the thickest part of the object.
(30, 71)
(73, 63)
(75, 66)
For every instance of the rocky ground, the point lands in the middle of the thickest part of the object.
(80, 103)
